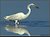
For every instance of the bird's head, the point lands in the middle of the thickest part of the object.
(34, 5)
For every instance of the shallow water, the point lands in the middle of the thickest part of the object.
(34, 27)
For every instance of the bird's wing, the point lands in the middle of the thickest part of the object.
(12, 15)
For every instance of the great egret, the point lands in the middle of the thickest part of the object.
(21, 15)
(19, 30)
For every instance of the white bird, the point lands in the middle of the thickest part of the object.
(18, 30)
(20, 16)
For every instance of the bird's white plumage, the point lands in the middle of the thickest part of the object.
(20, 15)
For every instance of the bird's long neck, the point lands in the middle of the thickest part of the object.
(29, 10)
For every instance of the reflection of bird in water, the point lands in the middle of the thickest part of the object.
(18, 30)
(20, 16)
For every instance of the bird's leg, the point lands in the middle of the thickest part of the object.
(18, 22)
(16, 25)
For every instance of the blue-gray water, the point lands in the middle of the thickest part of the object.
(37, 22)
(34, 27)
